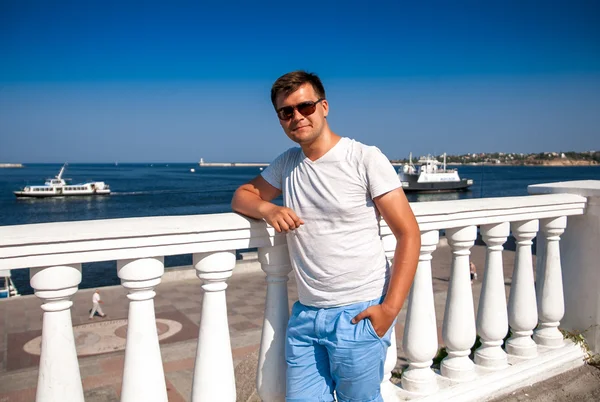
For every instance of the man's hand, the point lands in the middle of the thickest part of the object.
(281, 218)
(254, 198)
(381, 318)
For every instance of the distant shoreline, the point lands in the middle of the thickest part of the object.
(10, 165)
(543, 164)
(565, 163)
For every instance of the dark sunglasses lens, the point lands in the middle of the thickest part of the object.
(307, 108)
(286, 113)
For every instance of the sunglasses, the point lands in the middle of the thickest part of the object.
(305, 109)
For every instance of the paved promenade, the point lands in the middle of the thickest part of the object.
(101, 341)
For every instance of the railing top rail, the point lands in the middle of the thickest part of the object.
(102, 229)
(494, 205)
(26, 246)
(482, 211)
(99, 240)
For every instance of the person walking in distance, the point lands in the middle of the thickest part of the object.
(96, 302)
(335, 190)
(473, 270)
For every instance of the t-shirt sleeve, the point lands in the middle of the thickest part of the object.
(273, 173)
(381, 175)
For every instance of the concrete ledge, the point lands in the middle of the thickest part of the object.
(488, 385)
(586, 188)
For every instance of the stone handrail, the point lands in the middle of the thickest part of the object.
(55, 252)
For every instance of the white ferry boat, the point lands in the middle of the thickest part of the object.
(428, 176)
(57, 187)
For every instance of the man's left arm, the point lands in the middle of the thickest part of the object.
(394, 208)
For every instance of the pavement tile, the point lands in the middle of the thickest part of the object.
(87, 370)
(101, 394)
(112, 364)
(17, 358)
(244, 325)
(179, 365)
(24, 395)
(238, 353)
(117, 388)
(181, 381)
(255, 314)
(236, 318)
(165, 309)
(172, 394)
(187, 305)
(102, 380)
(246, 309)
(258, 321)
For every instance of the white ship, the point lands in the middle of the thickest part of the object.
(57, 187)
(431, 176)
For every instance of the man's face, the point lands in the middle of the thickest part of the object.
(303, 129)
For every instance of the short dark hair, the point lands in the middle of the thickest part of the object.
(290, 82)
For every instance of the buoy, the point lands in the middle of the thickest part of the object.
(192, 170)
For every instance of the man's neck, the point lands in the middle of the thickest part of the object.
(316, 149)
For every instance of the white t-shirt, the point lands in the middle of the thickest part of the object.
(337, 255)
(96, 297)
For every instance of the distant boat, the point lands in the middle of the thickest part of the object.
(57, 187)
(428, 176)
(192, 170)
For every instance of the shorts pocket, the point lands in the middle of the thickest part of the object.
(370, 328)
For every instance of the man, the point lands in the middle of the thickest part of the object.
(334, 190)
(96, 301)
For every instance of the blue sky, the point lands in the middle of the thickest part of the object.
(102, 81)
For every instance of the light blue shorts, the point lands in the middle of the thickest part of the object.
(326, 352)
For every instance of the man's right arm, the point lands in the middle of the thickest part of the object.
(253, 199)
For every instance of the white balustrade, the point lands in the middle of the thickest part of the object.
(54, 253)
(271, 373)
(58, 375)
(492, 317)
(420, 342)
(550, 298)
(143, 375)
(213, 371)
(522, 310)
(459, 317)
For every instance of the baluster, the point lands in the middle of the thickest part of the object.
(271, 373)
(143, 375)
(459, 317)
(492, 318)
(551, 305)
(391, 357)
(540, 255)
(522, 310)
(420, 332)
(58, 375)
(213, 371)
